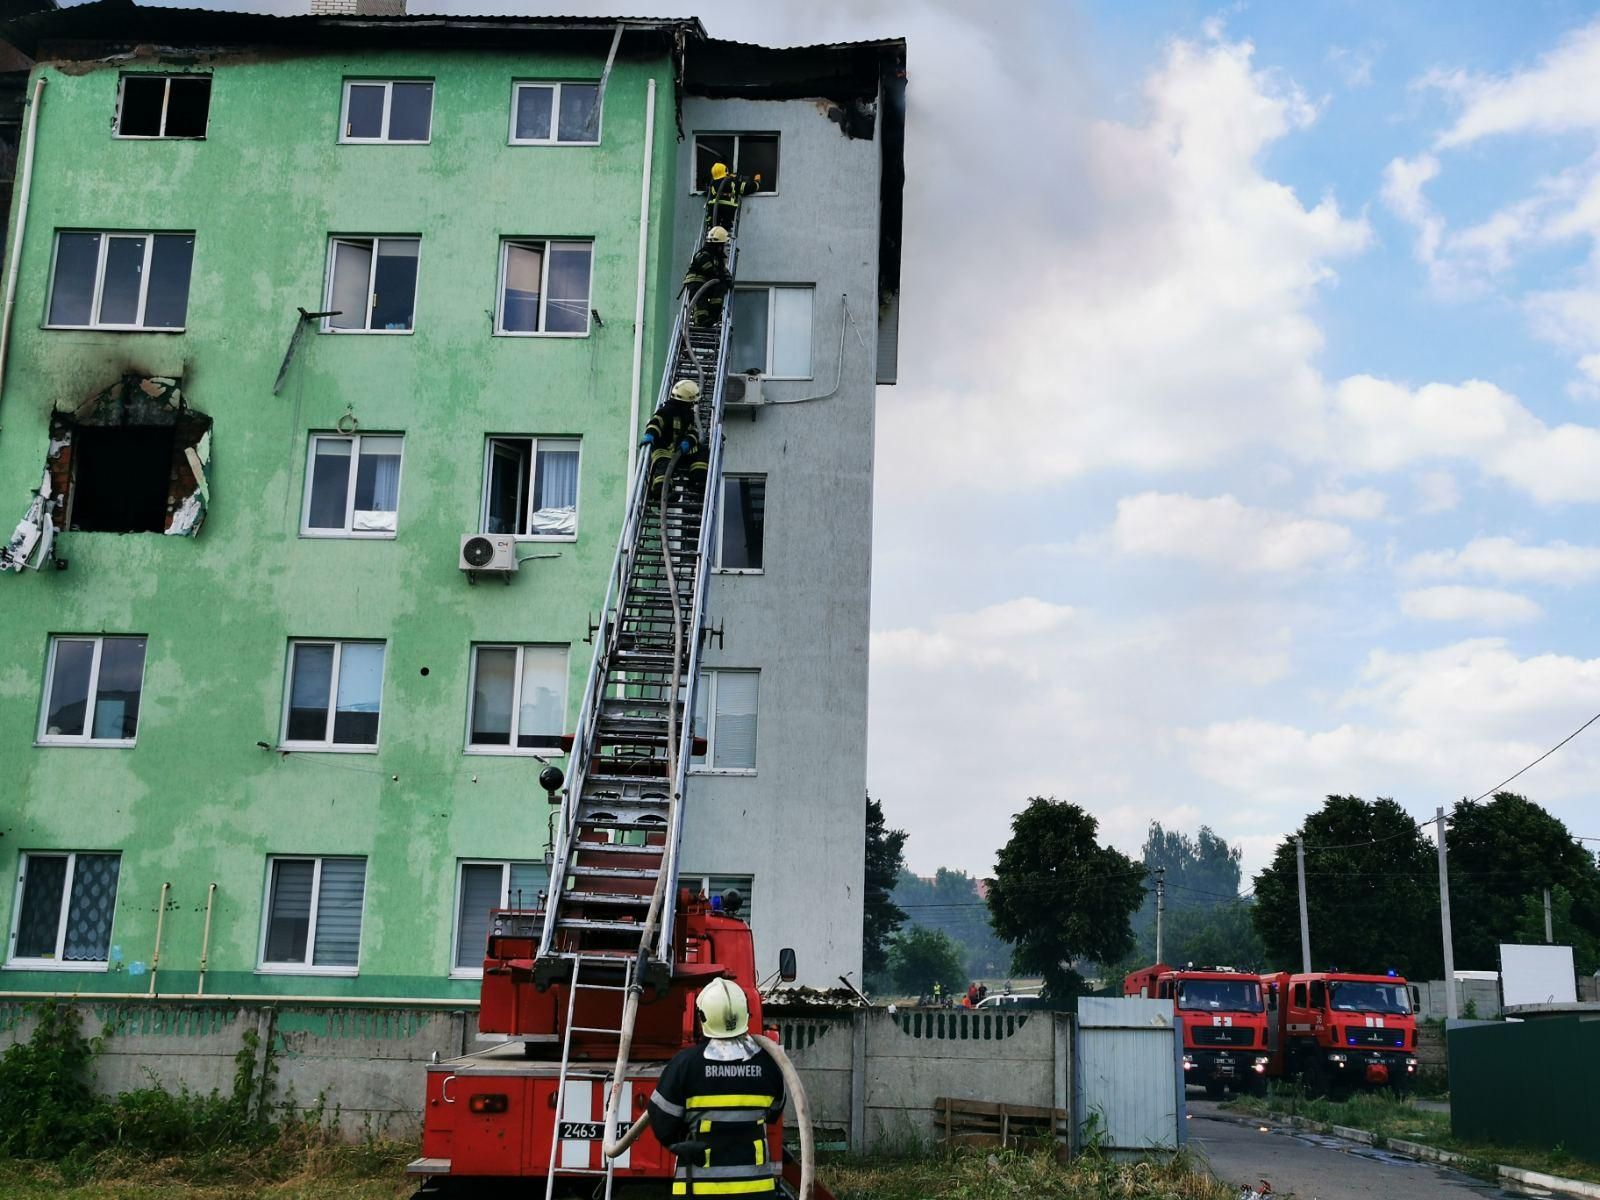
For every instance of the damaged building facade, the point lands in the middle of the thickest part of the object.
(300, 303)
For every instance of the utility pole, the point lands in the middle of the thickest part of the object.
(1305, 923)
(1549, 929)
(1161, 906)
(1444, 922)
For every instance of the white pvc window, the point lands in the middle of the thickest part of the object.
(544, 288)
(104, 280)
(334, 696)
(745, 154)
(720, 885)
(61, 918)
(387, 110)
(518, 699)
(93, 686)
(352, 485)
(772, 331)
(555, 114)
(725, 715)
(481, 887)
(530, 487)
(163, 106)
(372, 284)
(312, 919)
(740, 544)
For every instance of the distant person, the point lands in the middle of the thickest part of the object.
(972, 995)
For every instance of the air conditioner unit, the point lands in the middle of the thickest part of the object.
(743, 389)
(488, 552)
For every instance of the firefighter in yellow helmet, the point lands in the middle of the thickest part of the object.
(707, 280)
(723, 194)
(715, 1101)
(674, 430)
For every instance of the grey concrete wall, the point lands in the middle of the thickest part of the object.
(797, 824)
(1483, 993)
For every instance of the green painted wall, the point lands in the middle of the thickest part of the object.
(196, 801)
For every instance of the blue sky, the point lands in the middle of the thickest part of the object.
(1247, 444)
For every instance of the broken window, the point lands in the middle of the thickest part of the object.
(725, 716)
(372, 284)
(772, 331)
(519, 697)
(742, 522)
(482, 888)
(352, 485)
(120, 280)
(548, 113)
(92, 691)
(313, 923)
(377, 110)
(164, 106)
(745, 154)
(64, 911)
(334, 695)
(544, 287)
(531, 487)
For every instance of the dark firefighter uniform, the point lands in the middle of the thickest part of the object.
(709, 265)
(723, 196)
(672, 431)
(722, 1094)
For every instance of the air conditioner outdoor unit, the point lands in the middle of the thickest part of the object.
(488, 552)
(743, 388)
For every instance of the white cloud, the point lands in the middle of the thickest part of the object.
(1222, 532)
(1403, 181)
(1437, 491)
(1509, 561)
(1362, 504)
(1456, 602)
(1555, 96)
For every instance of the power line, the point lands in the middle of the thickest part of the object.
(1541, 757)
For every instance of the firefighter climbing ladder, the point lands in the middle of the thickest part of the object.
(614, 870)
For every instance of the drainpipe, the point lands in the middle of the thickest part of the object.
(205, 941)
(161, 918)
(22, 225)
(638, 303)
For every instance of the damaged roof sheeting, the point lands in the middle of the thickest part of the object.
(133, 458)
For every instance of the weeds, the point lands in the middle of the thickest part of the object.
(1004, 1174)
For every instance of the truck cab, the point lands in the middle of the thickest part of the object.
(1224, 1020)
(1339, 1031)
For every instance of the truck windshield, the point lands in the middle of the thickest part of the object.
(1220, 995)
(1369, 997)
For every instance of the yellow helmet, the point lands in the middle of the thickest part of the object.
(686, 389)
(717, 235)
(724, 1012)
(718, 170)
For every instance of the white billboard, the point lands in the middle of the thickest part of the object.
(1537, 975)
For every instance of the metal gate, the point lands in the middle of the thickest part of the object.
(1129, 1093)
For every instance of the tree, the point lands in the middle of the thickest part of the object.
(1503, 855)
(920, 958)
(1529, 929)
(1371, 888)
(1058, 896)
(880, 915)
(952, 902)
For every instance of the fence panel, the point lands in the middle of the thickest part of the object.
(1530, 1083)
(1130, 1077)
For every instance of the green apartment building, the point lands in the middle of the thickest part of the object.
(261, 734)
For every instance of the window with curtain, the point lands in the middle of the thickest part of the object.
(372, 284)
(313, 915)
(544, 287)
(531, 487)
(352, 485)
(484, 886)
(63, 918)
(93, 686)
(518, 698)
(725, 715)
(772, 331)
(334, 695)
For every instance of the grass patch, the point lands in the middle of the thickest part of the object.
(1387, 1117)
(997, 1175)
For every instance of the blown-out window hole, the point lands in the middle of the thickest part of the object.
(120, 478)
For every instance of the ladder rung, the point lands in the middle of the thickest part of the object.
(596, 924)
(595, 1029)
(609, 872)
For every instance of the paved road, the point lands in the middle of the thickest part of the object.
(1312, 1166)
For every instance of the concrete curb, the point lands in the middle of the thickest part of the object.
(1554, 1183)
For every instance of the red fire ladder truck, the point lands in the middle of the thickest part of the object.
(594, 986)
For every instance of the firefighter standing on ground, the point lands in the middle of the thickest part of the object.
(709, 266)
(723, 194)
(719, 1098)
(673, 430)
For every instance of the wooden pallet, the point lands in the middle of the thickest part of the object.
(983, 1123)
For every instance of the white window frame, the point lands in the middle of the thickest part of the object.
(13, 963)
(306, 531)
(512, 749)
(328, 746)
(555, 112)
(372, 282)
(166, 99)
(708, 676)
(704, 879)
(462, 864)
(263, 967)
(737, 135)
(388, 99)
(105, 235)
(86, 738)
(547, 245)
(722, 510)
(772, 289)
(527, 500)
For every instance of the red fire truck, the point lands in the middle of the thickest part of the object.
(1336, 1031)
(1224, 1022)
